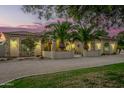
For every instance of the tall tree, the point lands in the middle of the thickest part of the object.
(113, 14)
(86, 34)
(60, 32)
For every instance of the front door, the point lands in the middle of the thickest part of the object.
(106, 48)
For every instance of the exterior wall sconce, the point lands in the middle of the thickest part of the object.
(113, 46)
(2, 38)
(98, 45)
(13, 43)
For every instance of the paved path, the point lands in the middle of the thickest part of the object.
(13, 70)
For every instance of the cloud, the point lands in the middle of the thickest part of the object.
(14, 29)
(29, 28)
(36, 27)
(39, 27)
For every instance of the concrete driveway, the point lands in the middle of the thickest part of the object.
(12, 69)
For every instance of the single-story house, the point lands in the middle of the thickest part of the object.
(11, 45)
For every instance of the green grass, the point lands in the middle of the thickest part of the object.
(104, 76)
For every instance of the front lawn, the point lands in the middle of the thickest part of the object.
(105, 76)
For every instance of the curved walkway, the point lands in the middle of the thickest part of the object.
(12, 70)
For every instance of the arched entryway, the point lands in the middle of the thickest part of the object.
(30, 47)
(106, 48)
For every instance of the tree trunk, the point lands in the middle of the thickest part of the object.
(86, 47)
(82, 48)
(42, 48)
(62, 45)
(53, 48)
(93, 45)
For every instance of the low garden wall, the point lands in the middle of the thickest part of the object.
(92, 53)
(57, 54)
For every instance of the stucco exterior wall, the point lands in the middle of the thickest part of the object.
(99, 46)
(14, 46)
(113, 46)
(2, 50)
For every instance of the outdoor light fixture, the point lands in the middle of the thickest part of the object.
(38, 44)
(98, 45)
(2, 38)
(73, 46)
(70, 46)
(14, 47)
(113, 46)
(13, 43)
(89, 45)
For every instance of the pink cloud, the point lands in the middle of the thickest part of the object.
(38, 27)
(29, 28)
(13, 29)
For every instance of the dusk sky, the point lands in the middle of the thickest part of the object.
(12, 15)
(12, 18)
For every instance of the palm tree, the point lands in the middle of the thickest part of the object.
(60, 32)
(44, 39)
(83, 35)
(86, 34)
(98, 34)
